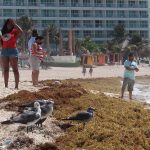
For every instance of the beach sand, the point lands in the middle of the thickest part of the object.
(52, 131)
(60, 73)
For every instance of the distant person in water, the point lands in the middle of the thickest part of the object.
(84, 70)
(37, 55)
(9, 55)
(91, 71)
(129, 75)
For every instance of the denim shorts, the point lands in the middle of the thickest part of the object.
(9, 52)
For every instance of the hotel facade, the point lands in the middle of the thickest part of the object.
(88, 18)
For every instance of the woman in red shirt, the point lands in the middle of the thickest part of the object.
(9, 54)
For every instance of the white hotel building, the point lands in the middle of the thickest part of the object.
(94, 18)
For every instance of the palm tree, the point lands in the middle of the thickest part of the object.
(26, 25)
(52, 35)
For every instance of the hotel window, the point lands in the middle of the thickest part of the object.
(99, 34)
(133, 24)
(75, 3)
(75, 23)
(64, 13)
(63, 3)
(75, 13)
(144, 24)
(86, 3)
(20, 12)
(98, 24)
(35, 23)
(99, 13)
(144, 34)
(132, 4)
(110, 13)
(120, 3)
(7, 12)
(7, 2)
(32, 2)
(78, 33)
(143, 4)
(133, 14)
(110, 23)
(122, 22)
(110, 34)
(98, 3)
(33, 13)
(121, 14)
(48, 13)
(48, 2)
(87, 13)
(20, 2)
(64, 23)
(109, 3)
(46, 23)
(143, 14)
(88, 23)
(87, 34)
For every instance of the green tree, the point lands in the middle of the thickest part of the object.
(136, 39)
(88, 44)
(26, 24)
(119, 33)
(52, 36)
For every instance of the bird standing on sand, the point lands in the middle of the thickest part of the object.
(82, 117)
(46, 109)
(29, 118)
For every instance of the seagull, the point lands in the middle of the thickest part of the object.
(29, 118)
(41, 102)
(46, 110)
(82, 117)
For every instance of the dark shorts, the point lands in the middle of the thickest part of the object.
(128, 82)
(9, 52)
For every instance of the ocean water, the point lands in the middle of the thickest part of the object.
(142, 92)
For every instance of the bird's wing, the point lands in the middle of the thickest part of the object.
(80, 116)
(26, 117)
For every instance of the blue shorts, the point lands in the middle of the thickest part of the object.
(9, 52)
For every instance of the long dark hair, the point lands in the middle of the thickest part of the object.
(5, 29)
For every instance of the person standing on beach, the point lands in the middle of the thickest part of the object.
(37, 55)
(84, 70)
(129, 75)
(9, 54)
(32, 40)
(91, 71)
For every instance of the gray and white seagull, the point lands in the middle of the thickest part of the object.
(29, 117)
(82, 117)
(46, 109)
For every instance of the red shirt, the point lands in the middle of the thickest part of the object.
(9, 40)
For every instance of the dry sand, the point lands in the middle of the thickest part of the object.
(61, 73)
(51, 131)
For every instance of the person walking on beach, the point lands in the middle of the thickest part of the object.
(129, 75)
(37, 55)
(84, 70)
(91, 71)
(9, 54)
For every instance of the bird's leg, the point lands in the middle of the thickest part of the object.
(27, 129)
(83, 125)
